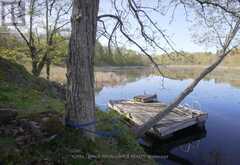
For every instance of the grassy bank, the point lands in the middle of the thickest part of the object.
(56, 144)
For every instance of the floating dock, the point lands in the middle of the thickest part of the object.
(138, 113)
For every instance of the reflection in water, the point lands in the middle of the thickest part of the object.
(220, 75)
(185, 140)
(218, 94)
(116, 76)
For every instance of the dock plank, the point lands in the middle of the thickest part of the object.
(139, 113)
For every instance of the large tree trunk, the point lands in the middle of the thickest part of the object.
(80, 106)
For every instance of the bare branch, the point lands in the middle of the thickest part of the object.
(121, 25)
(222, 54)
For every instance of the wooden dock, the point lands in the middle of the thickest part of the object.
(138, 113)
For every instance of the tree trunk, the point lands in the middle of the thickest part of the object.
(222, 54)
(34, 61)
(48, 68)
(34, 68)
(47, 41)
(80, 105)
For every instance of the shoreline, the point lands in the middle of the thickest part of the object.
(103, 68)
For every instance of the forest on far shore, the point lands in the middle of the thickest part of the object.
(14, 48)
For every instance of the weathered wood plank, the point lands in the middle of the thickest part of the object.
(139, 113)
(145, 98)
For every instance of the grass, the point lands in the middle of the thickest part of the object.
(30, 102)
(27, 100)
(7, 141)
(69, 146)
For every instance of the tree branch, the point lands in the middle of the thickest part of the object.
(222, 54)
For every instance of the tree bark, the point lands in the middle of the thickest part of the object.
(33, 53)
(48, 63)
(222, 54)
(80, 98)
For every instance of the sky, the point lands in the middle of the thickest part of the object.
(180, 30)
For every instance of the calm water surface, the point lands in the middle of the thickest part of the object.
(219, 95)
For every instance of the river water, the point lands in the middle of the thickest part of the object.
(218, 94)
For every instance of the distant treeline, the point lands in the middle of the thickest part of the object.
(12, 47)
(199, 58)
(185, 58)
(118, 57)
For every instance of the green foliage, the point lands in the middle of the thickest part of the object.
(118, 57)
(184, 58)
(13, 54)
(12, 47)
(59, 50)
(201, 58)
(8, 39)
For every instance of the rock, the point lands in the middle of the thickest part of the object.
(24, 124)
(7, 131)
(15, 132)
(35, 128)
(25, 140)
(49, 138)
(7, 115)
(13, 122)
(37, 133)
(20, 140)
(34, 125)
(45, 119)
(20, 130)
